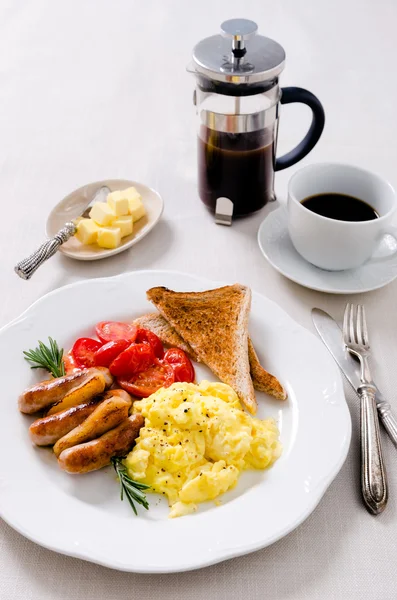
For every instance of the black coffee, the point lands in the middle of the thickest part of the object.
(238, 166)
(340, 207)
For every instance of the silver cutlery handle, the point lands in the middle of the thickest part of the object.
(373, 476)
(25, 268)
(388, 419)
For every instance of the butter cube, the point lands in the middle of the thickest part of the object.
(87, 231)
(137, 210)
(124, 224)
(109, 237)
(131, 193)
(102, 214)
(118, 202)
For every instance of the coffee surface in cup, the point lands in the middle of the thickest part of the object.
(340, 207)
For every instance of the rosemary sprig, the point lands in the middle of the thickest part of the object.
(47, 357)
(132, 489)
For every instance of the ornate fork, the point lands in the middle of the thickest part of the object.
(373, 476)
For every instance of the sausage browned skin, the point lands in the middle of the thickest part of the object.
(98, 453)
(95, 384)
(46, 431)
(65, 391)
(106, 416)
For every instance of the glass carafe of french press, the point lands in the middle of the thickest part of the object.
(237, 97)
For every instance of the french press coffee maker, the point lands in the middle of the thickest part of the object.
(237, 97)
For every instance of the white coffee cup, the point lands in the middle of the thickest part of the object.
(338, 245)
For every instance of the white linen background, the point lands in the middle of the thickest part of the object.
(94, 89)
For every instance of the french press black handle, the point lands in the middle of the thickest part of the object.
(296, 94)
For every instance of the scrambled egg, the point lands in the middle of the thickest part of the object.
(195, 443)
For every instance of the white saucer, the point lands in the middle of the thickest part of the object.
(74, 204)
(276, 246)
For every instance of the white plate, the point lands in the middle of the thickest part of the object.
(74, 204)
(82, 516)
(277, 247)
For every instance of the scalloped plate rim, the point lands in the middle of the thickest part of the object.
(14, 521)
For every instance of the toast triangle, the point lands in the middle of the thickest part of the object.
(215, 324)
(263, 380)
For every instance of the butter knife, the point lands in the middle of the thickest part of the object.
(331, 335)
(26, 267)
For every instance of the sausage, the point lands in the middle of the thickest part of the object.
(121, 394)
(49, 391)
(95, 384)
(65, 391)
(96, 454)
(46, 431)
(106, 415)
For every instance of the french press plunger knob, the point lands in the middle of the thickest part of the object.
(239, 30)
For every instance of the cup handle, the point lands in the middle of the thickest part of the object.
(386, 248)
(297, 94)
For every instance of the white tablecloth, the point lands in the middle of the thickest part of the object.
(94, 89)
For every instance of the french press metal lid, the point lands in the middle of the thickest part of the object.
(238, 55)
